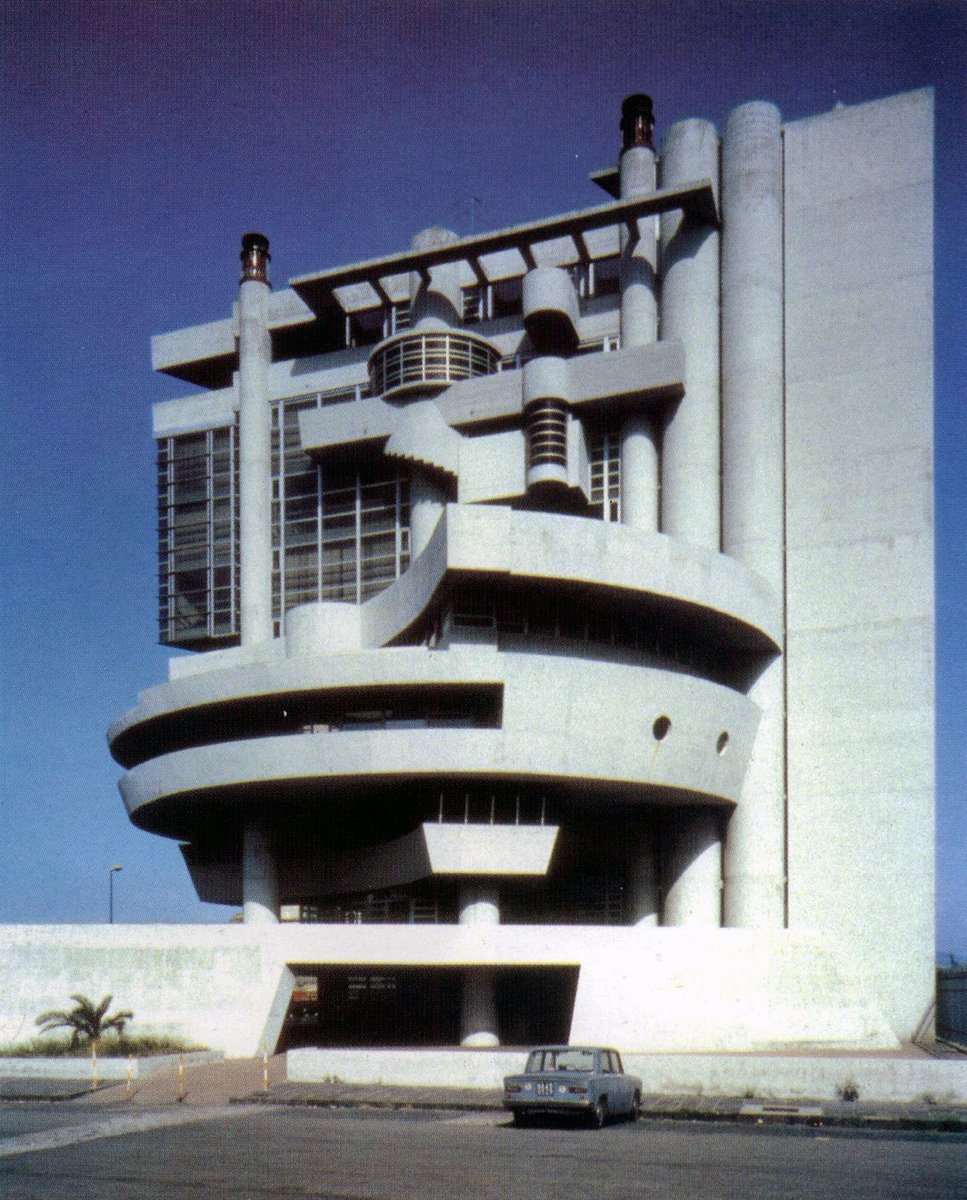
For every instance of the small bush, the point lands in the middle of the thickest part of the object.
(848, 1090)
(138, 1045)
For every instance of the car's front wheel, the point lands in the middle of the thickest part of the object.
(599, 1113)
(521, 1120)
(635, 1113)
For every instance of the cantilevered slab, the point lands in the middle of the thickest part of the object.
(696, 197)
(490, 849)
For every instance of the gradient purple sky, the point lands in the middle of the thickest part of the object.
(140, 139)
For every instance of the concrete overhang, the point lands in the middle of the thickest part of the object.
(696, 197)
(207, 354)
(434, 849)
(442, 849)
(638, 375)
(708, 589)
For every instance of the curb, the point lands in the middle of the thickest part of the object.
(815, 1115)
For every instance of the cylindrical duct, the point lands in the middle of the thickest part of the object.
(643, 880)
(545, 423)
(436, 299)
(639, 327)
(693, 866)
(753, 463)
(690, 458)
(255, 443)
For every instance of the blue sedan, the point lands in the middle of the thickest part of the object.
(585, 1080)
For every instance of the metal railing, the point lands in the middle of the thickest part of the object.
(417, 360)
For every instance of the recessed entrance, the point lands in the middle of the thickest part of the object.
(371, 1005)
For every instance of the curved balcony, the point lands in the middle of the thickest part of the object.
(429, 360)
(678, 740)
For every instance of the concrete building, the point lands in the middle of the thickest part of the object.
(564, 612)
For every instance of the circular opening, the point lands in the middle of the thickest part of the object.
(661, 728)
(723, 741)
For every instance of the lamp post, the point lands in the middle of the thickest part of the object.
(110, 891)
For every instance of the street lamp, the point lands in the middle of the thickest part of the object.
(110, 891)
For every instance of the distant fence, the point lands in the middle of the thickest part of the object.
(952, 1004)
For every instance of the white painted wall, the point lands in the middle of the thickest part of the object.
(859, 414)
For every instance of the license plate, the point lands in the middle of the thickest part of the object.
(545, 1089)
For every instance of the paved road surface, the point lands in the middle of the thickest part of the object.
(263, 1153)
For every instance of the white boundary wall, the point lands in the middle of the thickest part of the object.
(770, 1077)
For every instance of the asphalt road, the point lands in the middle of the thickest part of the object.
(49, 1151)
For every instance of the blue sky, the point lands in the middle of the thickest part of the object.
(141, 139)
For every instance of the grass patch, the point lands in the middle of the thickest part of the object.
(111, 1046)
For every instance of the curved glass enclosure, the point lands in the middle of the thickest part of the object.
(432, 359)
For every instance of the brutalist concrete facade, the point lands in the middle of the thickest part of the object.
(564, 605)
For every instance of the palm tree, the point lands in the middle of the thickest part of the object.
(86, 1020)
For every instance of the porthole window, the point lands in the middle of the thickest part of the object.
(722, 744)
(661, 728)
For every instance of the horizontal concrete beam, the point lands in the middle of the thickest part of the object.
(697, 197)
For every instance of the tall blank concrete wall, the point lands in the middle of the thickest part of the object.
(859, 388)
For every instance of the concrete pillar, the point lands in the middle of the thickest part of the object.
(427, 501)
(643, 881)
(479, 905)
(693, 869)
(255, 443)
(690, 459)
(639, 327)
(260, 889)
(753, 466)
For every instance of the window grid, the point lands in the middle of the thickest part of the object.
(604, 453)
(339, 533)
(198, 553)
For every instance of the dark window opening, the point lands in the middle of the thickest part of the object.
(374, 1005)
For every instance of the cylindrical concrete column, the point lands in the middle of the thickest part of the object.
(479, 905)
(255, 443)
(436, 302)
(260, 889)
(643, 880)
(693, 869)
(753, 466)
(427, 501)
(639, 327)
(690, 460)
(436, 299)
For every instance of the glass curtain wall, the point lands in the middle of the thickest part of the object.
(340, 531)
(198, 551)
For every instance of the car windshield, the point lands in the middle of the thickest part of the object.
(540, 1061)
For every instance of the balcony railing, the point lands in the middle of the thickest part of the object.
(429, 361)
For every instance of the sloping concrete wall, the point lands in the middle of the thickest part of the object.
(859, 418)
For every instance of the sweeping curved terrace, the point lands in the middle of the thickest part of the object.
(715, 595)
(680, 739)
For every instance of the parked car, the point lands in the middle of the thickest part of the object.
(582, 1080)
